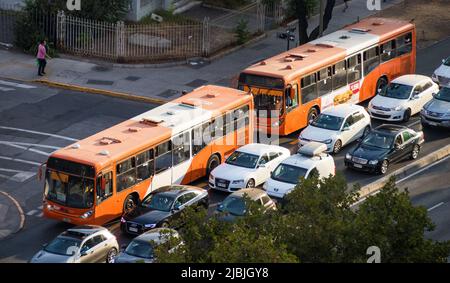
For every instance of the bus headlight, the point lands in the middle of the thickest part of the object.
(87, 214)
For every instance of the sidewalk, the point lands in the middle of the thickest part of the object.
(162, 84)
(11, 216)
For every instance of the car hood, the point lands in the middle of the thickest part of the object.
(443, 71)
(439, 106)
(278, 189)
(126, 258)
(369, 152)
(317, 134)
(146, 216)
(387, 102)
(231, 172)
(46, 257)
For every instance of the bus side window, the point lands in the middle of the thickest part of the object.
(181, 149)
(291, 100)
(145, 165)
(163, 160)
(242, 116)
(126, 174)
(387, 51)
(324, 82)
(196, 138)
(108, 190)
(404, 44)
(371, 59)
(354, 68)
(308, 88)
(339, 75)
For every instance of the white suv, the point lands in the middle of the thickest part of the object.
(337, 126)
(310, 159)
(441, 75)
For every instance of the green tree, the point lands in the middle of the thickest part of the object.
(241, 31)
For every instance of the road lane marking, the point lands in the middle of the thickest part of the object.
(5, 89)
(32, 212)
(364, 198)
(40, 214)
(20, 160)
(27, 148)
(436, 206)
(423, 169)
(31, 144)
(413, 124)
(10, 170)
(41, 207)
(17, 85)
(38, 133)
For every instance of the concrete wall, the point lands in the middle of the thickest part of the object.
(142, 8)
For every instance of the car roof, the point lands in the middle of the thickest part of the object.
(252, 193)
(81, 232)
(259, 149)
(300, 160)
(176, 190)
(390, 128)
(411, 79)
(154, 235)
(343, 110)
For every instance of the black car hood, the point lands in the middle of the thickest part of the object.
(370, 152)
(146, 216)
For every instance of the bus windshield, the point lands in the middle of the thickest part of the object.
(68, 190)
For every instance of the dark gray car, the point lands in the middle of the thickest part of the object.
(437, 111)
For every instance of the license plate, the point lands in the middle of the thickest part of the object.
(132, 229)
(379, 112)
(357, 165)
(222, 185)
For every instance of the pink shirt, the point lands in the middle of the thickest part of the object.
(41, 51)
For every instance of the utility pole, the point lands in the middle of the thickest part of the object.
(321, 18)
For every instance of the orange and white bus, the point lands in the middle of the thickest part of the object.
(96, 179)
(346, 66)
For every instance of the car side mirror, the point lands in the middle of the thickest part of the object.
(346, 129)
(262, 166)
(44, 245)
(379, 90)
(443, 61)
(83, 254)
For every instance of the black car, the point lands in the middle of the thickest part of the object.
(382, 146)
(162, 206)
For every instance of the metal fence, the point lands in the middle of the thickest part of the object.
(8, 18)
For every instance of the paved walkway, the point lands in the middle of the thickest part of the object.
(11, 216)
(165, 83)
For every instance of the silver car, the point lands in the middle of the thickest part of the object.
(141, 249)
(437, 111)
(82, 244)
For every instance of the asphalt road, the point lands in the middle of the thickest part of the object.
(35, 120)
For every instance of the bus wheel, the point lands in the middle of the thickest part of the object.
(381, 83)
(312, 115)
(213, 162)
(130, 203)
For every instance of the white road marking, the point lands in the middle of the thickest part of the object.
(40, 214)
(31, 144)
(20, 160)
(38, 133)
(32, 212)
(19, 177)
(436, 206)
(423, 169)
(41, 207)
(16, 85)
(364, 198)
(10, 170)
(413, 123)
(28, 149)
(5, 89)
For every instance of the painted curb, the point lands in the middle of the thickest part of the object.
(375, 186)
(19, 208)
(116, 94)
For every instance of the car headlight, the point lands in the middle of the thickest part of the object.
(87, 214)
(328, 141)
(237, 182)
(373, 162)
(398, 108)
(348, 156)
(211, 177)
(122, 220)
(150, 226)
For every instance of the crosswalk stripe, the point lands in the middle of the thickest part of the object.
(32, 212)
(16, 85)
(40, 214)
(40, 207)
(5, 89)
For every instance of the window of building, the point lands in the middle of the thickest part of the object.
(354, 68)
(126, 174)
(163, 159)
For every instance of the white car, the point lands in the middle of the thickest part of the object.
(248, 167)
(310, 159)
(337, 126)
(403, 97)
(441, 75)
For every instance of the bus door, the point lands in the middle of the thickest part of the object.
(292, 109)
(105, 202)
(181, 159)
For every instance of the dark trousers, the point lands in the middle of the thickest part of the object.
(42, 64)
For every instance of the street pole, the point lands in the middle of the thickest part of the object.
(321, 18)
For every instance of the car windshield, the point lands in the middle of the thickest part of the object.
(397, 91)
(377, 139)
(243, 159)
(328, 122)
(443, 94)
(161, 201)
(140, 249)
(68, 190)
(447, 62)
(288, 174)
(63, 246)
(234, 205)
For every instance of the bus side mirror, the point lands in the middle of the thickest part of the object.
(40, 172)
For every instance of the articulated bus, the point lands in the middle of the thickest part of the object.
(98, 178)
(346, 66)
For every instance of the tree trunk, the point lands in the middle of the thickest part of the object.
(300, 9)
(328, 14)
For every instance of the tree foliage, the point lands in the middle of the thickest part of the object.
(316, 223)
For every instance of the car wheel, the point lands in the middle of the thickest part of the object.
(381, 83)
(415, 152)
(165, 224)
(312, 115)
(407, 115)
(130, 203)
(384, 167)
(250, 183)
(112, 253)
(337, 146)
(213, 162)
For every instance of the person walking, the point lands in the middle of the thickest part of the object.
(41, 57)
(346, 5)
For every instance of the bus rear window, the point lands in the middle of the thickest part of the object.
(262, 81)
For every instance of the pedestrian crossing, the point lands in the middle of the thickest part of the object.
(36, 212)
(6, 86)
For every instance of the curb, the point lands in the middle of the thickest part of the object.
(375, 186)
(19, 208)
(116, 94)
